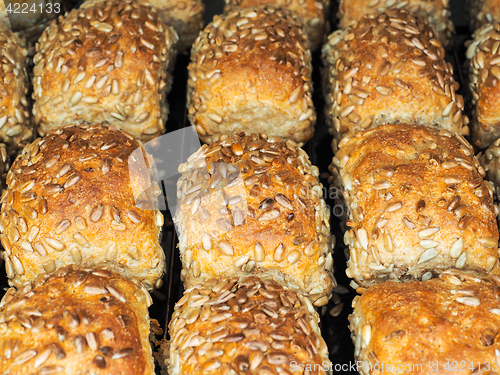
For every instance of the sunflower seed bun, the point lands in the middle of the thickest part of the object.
(376, 73)
(185, 16)
(417, 204)
(247, 325)
(484, 74)
(105, 62)
(76, 321)
(482, 12)
(439, 323)
(70, 201)
(16, 128)
(251, 71)
(314, 14)
(277, 224)
(436, 12)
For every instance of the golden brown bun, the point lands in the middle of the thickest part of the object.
(77, 321)
(105, 62)
(314, 14)
(70, 201)
(377, 74)
(185, 16)
(482, 12)
(277, 224)
(453, 318)
(436, 12)
(418, 205)
(247, 325)
(16, 128)
(251, 71)
(484, 74)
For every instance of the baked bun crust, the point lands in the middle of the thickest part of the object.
(251, 71)
(443, 322)
(314, 14)
(376, 73)
(105, 62)
(16, 128)
(484, 74)
(277, 224)
(417, 203)
(245, 325)
(76, 321)
(185, 16)
(70, 200)
(436, 12)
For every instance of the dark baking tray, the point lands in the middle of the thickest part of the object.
(335, 329)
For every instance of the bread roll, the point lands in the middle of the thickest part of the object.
(417, 204)
(105, 62)
(441, 326)
(484, 74)
(185, 16)
(251, 71)
(377, 72)
(16, 128)
(247, 325)
(436, 12)
(70, 201)
(482, 12)
(250, 204)
(76, 321)
(314, 14)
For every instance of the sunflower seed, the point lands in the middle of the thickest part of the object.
(259, 252)
(283, 201)
(94, 289)
(92, 340)
(270, 215)
(224, 224)
(293, 257)
(366, 333)
(54, 244)
(394, 207)
(24, 357)
(363, 238)
(469, 301)
(461, 260)
(428, 232)
(489, 242)
(428, 255)
(62, 226)
(226, 248)
(42, 358)
(279, 253)
(97, 213)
